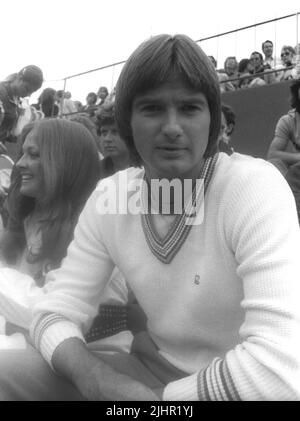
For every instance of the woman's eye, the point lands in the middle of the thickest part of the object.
(34, 155)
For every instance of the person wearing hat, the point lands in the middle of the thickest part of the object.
(16, 86)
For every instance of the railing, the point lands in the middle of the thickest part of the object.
(239, 42)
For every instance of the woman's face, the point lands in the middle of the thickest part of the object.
(30, 167)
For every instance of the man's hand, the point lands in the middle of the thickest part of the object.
(105, 383)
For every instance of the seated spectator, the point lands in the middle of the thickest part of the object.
(19, 85)
(244, 69)
(245, 66)
(61, 158)
(219, 288)
(91, 126)
(79, 106)
(284, 150)
(66, 106)
(260, 69)
(91, 106)
(51, 181)
(227, 127)
(267, 48)
(46, 103)
(102, 94)
(68, 95)
(213, 60)
(287, 61)
(114, 149)
(231, 69)
(225, 84)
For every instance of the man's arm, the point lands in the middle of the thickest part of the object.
(277, 151)
(95, 379)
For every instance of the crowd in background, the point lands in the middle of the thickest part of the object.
(261, 68)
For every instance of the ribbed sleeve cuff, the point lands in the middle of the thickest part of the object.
(214, 383)
(182, 390)
(51, 331)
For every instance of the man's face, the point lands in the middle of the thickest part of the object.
(286, 57)
(255, 60)
(111, 142)
(268, 49)
(102, 93)
(170, 126)
(231, 67)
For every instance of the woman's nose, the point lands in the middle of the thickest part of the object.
(21, 163)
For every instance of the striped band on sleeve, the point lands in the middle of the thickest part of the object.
(215, 383)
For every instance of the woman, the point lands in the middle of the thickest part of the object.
(57, 171)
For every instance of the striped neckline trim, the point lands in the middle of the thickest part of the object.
(166, 249)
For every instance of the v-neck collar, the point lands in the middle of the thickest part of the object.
(165, 249)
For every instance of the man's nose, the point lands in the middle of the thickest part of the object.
(171, 126)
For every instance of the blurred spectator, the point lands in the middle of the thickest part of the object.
(19, 85)
(245, 66)
(260, 69)
(102, 94)
(91, 126)
(66, 106)
(287, 60)
(244, 70)
(68, 95)
(79, 106)
(91, 106)
(267, 48)
(213, 60)
(225, 84)
(231, 66)
(227, 127)
(46, 103)
(284, 151)
(114, 149)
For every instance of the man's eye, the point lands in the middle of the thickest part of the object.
(191, 108)
(103, 133)
(150, 108)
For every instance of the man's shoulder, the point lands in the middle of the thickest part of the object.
(239, 167)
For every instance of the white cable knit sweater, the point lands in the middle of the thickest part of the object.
(225, 310)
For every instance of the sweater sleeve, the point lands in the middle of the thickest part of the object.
(73, 292)
(260, 227)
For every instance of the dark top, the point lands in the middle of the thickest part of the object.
(11, 113)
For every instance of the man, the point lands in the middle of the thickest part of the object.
(267, 48)
(212, 257)
(284, 150)
(260, 69)
(227, 128)
(114, 149)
